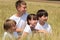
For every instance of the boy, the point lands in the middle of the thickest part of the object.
(42, 24)
(20, 16)
(9, 27)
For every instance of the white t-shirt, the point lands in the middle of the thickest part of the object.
(46, 27)
(8, 36)
(27, 29)
(21, 22)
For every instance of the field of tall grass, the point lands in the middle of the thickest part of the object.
(7, 9)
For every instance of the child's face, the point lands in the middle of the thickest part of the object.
(43, 18)
(13, 28)
(22, 8)
(33, 22)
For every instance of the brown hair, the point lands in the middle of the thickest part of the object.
(31, 16)
(19, 2)
(8, 24)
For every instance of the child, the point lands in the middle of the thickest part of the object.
(9, 27)
(31, 23)
(42, 24)
(20, 17)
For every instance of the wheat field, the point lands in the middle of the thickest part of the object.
(7, 9)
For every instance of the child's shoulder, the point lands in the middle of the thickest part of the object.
(13, 16)
(47, 24)
(5, 36)
(27, 26)
(5, 33)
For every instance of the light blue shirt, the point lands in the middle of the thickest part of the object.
(21, 22)
(45, 27)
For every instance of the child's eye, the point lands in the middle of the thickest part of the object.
(34, 19)
(45, 16)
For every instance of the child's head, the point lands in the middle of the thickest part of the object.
(21, 6)
(31, 19)
(10, 25)
(42, 15)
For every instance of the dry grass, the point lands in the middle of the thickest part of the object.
(7, 8)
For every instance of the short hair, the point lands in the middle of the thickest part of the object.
(19, 2)
(31, 16)
(8, 24)
(41, 12)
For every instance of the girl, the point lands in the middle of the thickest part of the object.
(30, 26)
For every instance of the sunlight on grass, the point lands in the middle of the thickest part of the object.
(7, 8)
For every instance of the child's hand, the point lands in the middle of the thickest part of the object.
(43, 31)
(19, 30)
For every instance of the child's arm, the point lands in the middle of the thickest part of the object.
(19, 30)
(43, 31)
